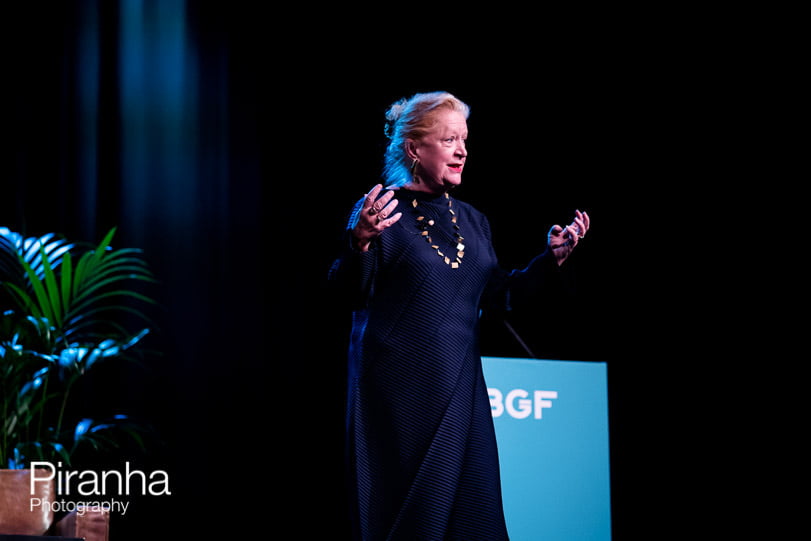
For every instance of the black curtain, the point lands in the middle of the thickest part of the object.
(186, 127)
(142, 116)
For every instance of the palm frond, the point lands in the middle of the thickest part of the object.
(70, 308)
(70, 293)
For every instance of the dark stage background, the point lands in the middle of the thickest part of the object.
(231, 155)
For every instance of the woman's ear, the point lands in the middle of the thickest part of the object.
(411, 149)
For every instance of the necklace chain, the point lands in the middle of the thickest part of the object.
(424, 223)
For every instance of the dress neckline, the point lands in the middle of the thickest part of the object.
(423, 197)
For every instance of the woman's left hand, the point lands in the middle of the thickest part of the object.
(562, 240)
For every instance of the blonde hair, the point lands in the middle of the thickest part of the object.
(412, 118)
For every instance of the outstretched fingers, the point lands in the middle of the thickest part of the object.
(378, 210)
(581, 223)
(370, 200)
(388, 222)
(376, 214)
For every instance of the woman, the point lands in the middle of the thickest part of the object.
(418, 266)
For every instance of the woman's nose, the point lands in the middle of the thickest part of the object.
(461, 149)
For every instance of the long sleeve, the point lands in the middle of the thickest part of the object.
(351, 275)
(517, 288)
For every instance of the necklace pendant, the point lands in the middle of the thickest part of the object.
(423, 224)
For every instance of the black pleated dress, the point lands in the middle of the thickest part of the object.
(422, 451)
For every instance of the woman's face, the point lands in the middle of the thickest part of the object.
(442, 153)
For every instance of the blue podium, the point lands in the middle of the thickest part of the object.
(551, 421)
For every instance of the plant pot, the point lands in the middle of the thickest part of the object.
(17, 515)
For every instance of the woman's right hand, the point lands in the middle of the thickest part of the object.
(375, 216)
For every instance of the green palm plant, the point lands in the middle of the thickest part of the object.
(65, 310)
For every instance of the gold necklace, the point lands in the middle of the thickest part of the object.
(424, 224)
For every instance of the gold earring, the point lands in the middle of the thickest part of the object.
(413, 171)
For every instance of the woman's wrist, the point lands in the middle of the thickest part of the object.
(359, 242)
